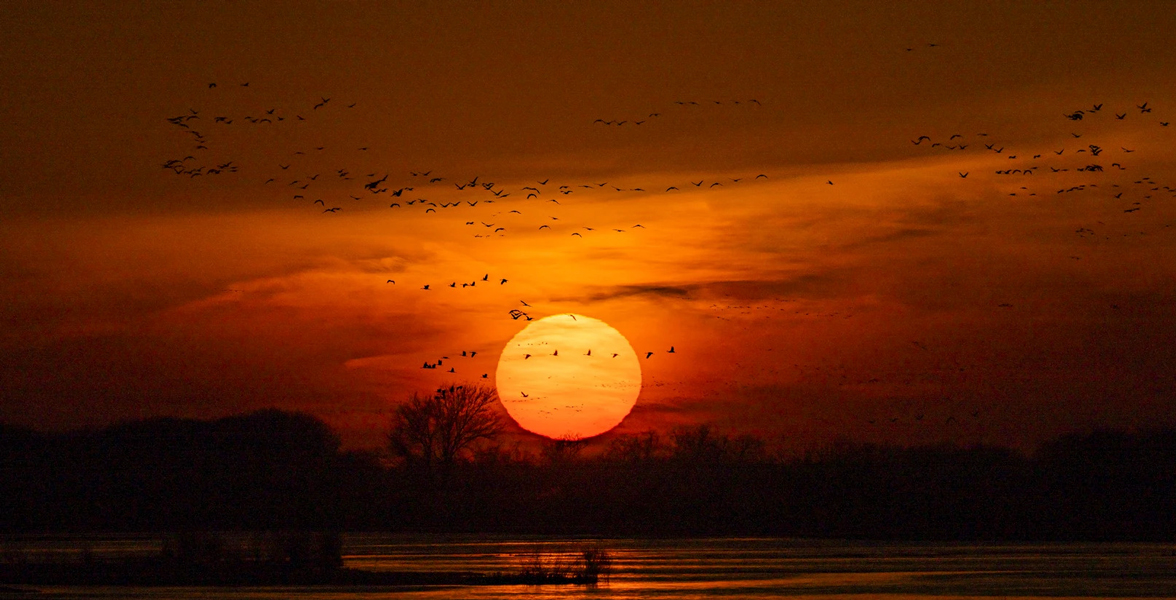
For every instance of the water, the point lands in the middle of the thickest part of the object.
(714, 568)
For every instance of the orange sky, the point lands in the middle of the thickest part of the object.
(903, 303)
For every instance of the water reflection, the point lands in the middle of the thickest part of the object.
(723, 568)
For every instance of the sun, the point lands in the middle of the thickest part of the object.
(568, 377)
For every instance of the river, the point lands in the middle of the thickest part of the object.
(684, 569)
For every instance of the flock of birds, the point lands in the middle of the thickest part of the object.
(1089, 165)
(1127, 193)
(409, 193)
(301, 173)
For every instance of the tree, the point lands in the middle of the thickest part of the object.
(434, 431)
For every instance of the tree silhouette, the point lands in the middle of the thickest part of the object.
(434, 431)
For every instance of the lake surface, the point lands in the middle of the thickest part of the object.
(713, 568)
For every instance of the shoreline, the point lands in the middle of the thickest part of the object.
(155, 573)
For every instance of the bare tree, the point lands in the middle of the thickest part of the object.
(433, 431)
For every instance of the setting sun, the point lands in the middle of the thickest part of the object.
(568, 377)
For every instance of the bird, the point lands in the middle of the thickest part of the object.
(829, 182)
(526, 356)
(426, 287)
(648, 354)
(502, 282)
(391, 281)
(671, 350)
(964, 175)
(332, 210)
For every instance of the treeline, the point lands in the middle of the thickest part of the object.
(275, 470)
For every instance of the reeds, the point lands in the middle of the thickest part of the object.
(587, 564)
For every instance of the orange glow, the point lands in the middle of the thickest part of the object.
(568, 377)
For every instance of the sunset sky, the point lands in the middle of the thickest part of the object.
(863, 288)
